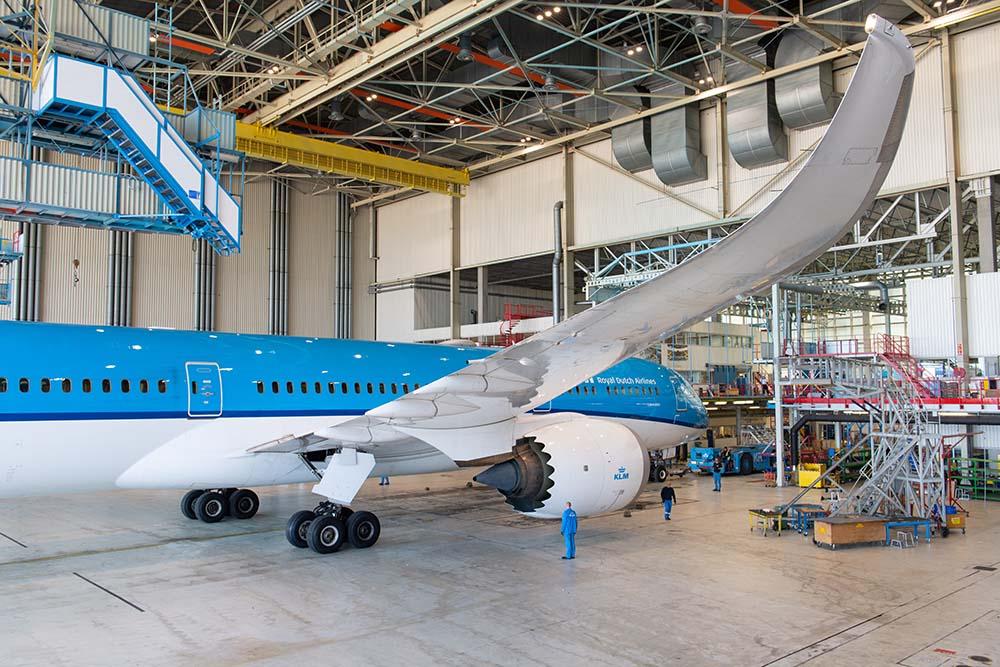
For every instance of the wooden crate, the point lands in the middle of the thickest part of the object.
(841, 530)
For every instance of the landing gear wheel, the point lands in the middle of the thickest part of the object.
(297, 528)
(746, 465)
(661, 474)
(243, 504)
(187, 503)
(363, 529)
(326, 535)
(210, 506)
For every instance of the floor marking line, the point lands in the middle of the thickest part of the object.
(943, 637)
(111, 593)
(14, 541)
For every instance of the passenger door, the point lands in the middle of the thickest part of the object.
(204, 389)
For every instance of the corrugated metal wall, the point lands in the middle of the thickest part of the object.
(311, 257)
(163, 281)
(610, 206)
(509, 214)
(74, 276)
(977, 87)
(920, 161)
(930, 324)
(362, 275)
(414, 237)
(241, 280)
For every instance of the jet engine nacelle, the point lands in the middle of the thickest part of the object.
(598, 465)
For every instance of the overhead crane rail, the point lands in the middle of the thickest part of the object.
(287, 148)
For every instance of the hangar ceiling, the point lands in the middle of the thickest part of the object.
(465, 83)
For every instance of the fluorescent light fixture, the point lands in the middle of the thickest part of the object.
(945, 413)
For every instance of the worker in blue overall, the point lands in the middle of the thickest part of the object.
(668, 497)
(717, 465)
(568, 531)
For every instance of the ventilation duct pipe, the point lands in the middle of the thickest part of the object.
(28, 271)
(632, 145)
(342, 307)
(756, 135)
(119, 290)
(677, 156)
(806, 97)
(884, 299)
(277, 293)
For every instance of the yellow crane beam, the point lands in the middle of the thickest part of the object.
(266, 143)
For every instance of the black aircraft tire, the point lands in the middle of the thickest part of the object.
(326, 534)
(211, 507)
(363, 529)
(187, 503)
(297, 528)
(746, 464)
(243, 504)
(661, 474)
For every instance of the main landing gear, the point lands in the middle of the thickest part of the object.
(326, 528)
(212, 505)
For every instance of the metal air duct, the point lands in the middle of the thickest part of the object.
(676, 143)
(806, 97)
(632, 145)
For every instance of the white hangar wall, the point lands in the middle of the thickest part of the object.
(507, 215)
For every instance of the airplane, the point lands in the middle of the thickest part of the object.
(566, 414)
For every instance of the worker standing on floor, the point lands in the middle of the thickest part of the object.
(568, 531)
(668, 497)
(717, 472)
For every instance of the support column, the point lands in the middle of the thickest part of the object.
(204, 286)
(482, 293)
(343, 224)
(119, 289)
(959, 289)
(29, 271)
(779, 439)
(722, 166)
(455, 275)
(277, 295)
(985, 216)
(568, 261)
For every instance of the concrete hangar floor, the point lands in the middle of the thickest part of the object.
(458, 579)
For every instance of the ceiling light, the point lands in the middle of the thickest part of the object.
(153, 37)
(631, 52)
(550, 83)
(709, 79)
(548, 12)
(540, 17)
(701, 81)
(557, 9)
(638, 49)
(374, 96)
(937, 4)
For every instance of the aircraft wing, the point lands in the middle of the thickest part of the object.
(472, 413)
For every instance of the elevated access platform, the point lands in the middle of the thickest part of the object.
(85, 98)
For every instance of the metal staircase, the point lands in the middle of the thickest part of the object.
(905, 474)
(91, 99)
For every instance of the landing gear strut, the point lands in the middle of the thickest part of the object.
(326, 528)
(212, 505)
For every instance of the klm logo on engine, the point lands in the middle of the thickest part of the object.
(622, 474)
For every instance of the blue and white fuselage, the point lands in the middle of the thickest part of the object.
(89, 408)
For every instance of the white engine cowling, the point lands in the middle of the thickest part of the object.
(598, 465)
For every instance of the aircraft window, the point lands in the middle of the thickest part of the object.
(24, 385)
(381, 387)
(331, 387)
(289, 387)
(357, 388)
(318, 387)
(124, 386)
(162, 386)
(656, 390)
(406, 388)
(194, 387)
(370, 388)
(304, 386)
(393, 387)
(343, 387)
(144, 386)
(86, 385)
(260, 386)
(46, 385)
(67, 386)
(274, 386)
(416, 385)
(3, 385)
(607, 389)
(106, 386)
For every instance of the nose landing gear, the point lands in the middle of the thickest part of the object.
(326, 528)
